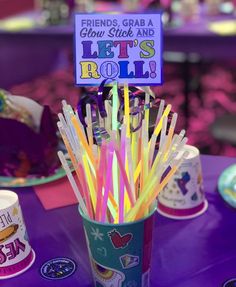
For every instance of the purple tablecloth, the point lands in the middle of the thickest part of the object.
(189, 253)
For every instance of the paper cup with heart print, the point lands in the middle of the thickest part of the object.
(183, 197)
(16, 254)
(120, 254)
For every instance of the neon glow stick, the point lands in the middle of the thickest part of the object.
(145, 150)
(99, 197)
(134, 135)
(68, 112)
(84, 142)
(100, 173)
(171, 132)
(79, 172)
(157, 161)
(86, 192)
(153, 139)
(155, 191)
(123, 174)
(130, 166)
(90, 181)
(108, 183)
(79, 123)
(177, 139)
(108, 117)
(115, 107)
(71, 154)
(149, 189)
(113, 207)
(160, 111)
(122, 189)
(159, 125)
(89, 124)
(68, 131)
(72, 182)
(127, 109)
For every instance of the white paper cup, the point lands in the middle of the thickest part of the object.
(183, 197)
(16, 254)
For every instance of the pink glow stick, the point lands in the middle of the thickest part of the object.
(122, 188)
(108, 183)
(123, 173)
(100, 173)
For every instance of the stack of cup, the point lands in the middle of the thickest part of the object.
(16, 253)
(183, 197)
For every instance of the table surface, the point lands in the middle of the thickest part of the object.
(187, 253)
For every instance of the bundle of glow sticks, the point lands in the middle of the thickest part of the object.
(119, 179)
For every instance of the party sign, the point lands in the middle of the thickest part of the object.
(123, 47)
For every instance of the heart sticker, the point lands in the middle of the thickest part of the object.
(118, 240)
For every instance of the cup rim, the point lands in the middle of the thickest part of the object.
(11, 194)
(193, 149)
(116, 224)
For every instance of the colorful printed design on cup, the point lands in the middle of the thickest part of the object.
(106, 277)
(102, 251)
(8, 232)
(97, 234)
(58, 268)
(129, 261)
(230, 283)
(194, 197)
(118, 240)
(182, 182)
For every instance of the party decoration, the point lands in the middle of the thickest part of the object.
(124, 47)
(58, 268)
(28, 140)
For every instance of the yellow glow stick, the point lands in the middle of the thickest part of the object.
(89, 181)
(148, 191)
(156, 133)
(127, 109)
(154, 191)
(112, 205)
(134, 137)
(108, 117)
(159, 125)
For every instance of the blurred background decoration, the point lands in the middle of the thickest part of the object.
(199, 59)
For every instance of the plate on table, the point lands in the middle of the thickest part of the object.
(30, 181)
(227, 185)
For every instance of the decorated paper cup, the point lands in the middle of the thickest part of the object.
(16, 254)
(120, 254)
(183, 197)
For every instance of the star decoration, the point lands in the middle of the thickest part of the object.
(97, 234)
